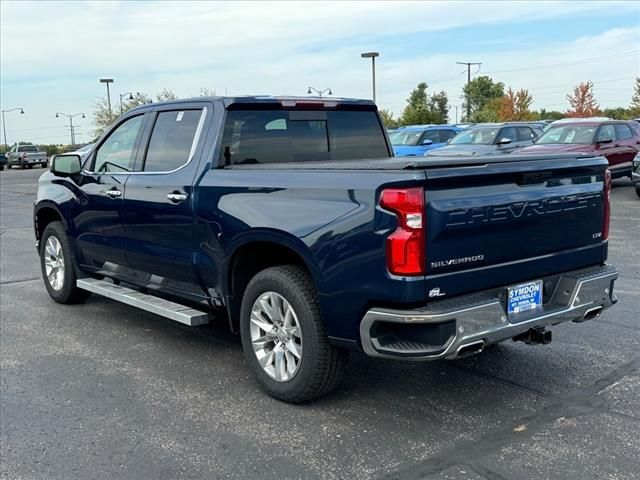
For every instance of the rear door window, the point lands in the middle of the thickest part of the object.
(446, 135)
(433, 135)
(605, 132)
(172, 140)
(525, 134)
(623, 132)
(507, 132)
(285, 136)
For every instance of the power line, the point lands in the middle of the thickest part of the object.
(576, 62)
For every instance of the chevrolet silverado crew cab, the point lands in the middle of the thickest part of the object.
(26, 156)
(290, 218)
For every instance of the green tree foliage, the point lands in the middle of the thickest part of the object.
(619, 113)
(545, 114)
(424, 109)
(481, 94)
(635, 99)
(387, 119)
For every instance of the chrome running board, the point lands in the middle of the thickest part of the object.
(159, 306)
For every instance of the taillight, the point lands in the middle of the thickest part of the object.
(406, 246)
(606, 206)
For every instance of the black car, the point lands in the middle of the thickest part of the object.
(3, 161)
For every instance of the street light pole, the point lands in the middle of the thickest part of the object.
(319, 92)
(372, 56)
(124, 95)
(4, 124)
(108, 81)
(70, 117)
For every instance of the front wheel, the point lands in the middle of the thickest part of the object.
(284, 338)
(57, 267)
(637, 189)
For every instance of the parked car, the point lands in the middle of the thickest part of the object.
(26, 156)
(635, 174)
(291, 218)
(489, 139)
(617, 140)
(3, 161)
(417, 139)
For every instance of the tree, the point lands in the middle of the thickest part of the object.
(479, 93)
(438, 107)
(619, 113)
(582, 101)
(206, 92)
(416, 110)
(387, 118)
(424, 109)
(635, 99)
(515, 106)
(543, 114)
(165, 95)
(102, 118)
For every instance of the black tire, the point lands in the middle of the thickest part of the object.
(637, 185)
(29, 166)
(68, 293)
(22, 166)
(1, 168)
(321, 365)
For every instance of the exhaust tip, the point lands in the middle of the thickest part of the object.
(592, 313)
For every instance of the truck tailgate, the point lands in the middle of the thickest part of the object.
(512, 213)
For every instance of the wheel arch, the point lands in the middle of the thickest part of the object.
(255, 253)
(44, 213)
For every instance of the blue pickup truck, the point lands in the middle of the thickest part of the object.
(291, 219)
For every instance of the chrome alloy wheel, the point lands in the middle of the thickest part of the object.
(275, 336)
(54, 263)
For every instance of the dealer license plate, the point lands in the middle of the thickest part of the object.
(524, 297)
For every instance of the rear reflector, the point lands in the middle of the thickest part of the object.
(606, 204)
(406, 246)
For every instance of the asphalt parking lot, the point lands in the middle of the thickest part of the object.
(103, 391)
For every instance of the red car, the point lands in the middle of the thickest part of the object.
(617, 140)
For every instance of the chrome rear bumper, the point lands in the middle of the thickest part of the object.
(466, 324)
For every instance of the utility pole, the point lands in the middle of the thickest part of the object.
(70, 117)
(468, 64)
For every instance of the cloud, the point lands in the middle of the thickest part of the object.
(283, 47)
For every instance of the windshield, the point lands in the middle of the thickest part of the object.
(405, 138)
(28, 149)
(476, 136)
(574, 134)
(85, 149)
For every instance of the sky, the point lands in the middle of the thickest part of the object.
(53, 53)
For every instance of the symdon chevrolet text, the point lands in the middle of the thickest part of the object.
(291, 218)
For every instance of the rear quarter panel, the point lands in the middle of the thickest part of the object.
(330, 218)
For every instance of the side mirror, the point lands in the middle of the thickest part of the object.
(504, 141)
(427, 142)
(66, 165)
(605, 140)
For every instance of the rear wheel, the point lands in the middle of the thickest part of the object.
(637, 189)
(56, 262)
(284, 338)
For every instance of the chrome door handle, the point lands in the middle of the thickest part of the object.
(113, 193)
(177, 197)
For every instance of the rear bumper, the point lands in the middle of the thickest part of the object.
(468, 323)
